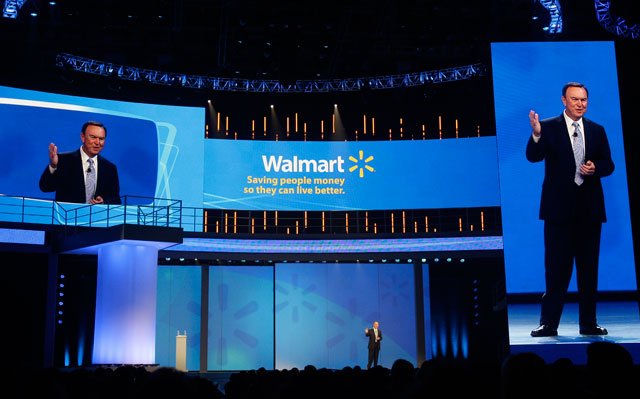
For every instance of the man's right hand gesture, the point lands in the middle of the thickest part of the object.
(53, 155)
(534, 121)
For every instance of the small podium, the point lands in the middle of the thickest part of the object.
(181, 351)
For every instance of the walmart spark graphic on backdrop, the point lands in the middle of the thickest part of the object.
(332, 184)
(281, 164)
(363, 166)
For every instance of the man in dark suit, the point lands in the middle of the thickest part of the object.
(83, 176)
(375, 336)
(576, 155)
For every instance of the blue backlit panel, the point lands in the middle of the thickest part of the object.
(19, 236)
(339, 246)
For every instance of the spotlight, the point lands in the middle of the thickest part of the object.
(448, 259)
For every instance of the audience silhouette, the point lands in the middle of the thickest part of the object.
(609, 372)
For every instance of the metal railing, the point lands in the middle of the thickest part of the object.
(162, 212)
(146, 211)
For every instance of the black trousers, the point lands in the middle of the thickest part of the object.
(374, 351)
(565, 243)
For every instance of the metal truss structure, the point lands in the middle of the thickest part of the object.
(555, 14)
(11, 8)
(86, 65)
(614, 24)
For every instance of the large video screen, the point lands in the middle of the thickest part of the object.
(401, 174)
(530, 76)
(156, 148)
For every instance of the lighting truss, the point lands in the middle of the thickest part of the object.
(86, 65)
(11, 8)
(555, 15)
(613, 24)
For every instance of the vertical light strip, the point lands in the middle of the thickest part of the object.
(366, 221)
(404, 223)
(393, 227)
(364, 124)
(346, 222)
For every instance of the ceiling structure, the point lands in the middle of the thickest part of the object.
(287, 40)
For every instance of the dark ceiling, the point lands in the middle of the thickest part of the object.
(289, 40)
(281, 40)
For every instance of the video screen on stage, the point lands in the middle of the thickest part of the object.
(156, 148)
(370, 175)
(530, 76)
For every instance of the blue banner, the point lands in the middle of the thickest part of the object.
(425, 174)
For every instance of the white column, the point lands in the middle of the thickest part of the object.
(125, 320)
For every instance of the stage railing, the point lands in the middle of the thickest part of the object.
(232, 223)
(133, 210)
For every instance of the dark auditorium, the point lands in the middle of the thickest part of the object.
(437, 194)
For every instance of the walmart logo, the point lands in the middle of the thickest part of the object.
(361, 163)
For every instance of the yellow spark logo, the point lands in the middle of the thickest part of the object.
(361, 163)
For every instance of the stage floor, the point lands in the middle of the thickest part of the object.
(621, 319)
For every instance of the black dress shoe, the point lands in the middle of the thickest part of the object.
(595, 330)
(544, 330)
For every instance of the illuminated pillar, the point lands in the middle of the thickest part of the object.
(125, 320)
